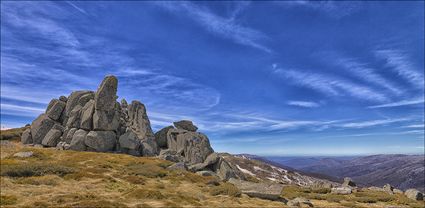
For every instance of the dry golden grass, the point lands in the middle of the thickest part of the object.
(54, 178)
(12, 134)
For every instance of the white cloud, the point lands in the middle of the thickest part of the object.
(77, 8)
(399, 62)
(371, 123)
(305, 104)
(225, 27)
(415, 126)
(330, 85)
(400, 103)
(19, 110)
(366, 73)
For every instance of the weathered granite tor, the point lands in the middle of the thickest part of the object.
(95, 121)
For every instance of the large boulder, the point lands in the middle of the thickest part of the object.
(40, 127)
(269, 191)
(78, 140)
(161, 136)
(74, 117)
(170, 155)
(139, 120)
(194, 146)
(106, 94)
(55, 109)
(52, 138)
(101, 141)
(388, 188)
(68, 135)
(129, 143)
(26, 137)
(186, 125)
(341, 190)
(87, 116)
(85, 98)
(348, 182)
(72, 101)
(414, 194)
(106, 120)
(299, 202)
(225, 170)
(212, 159)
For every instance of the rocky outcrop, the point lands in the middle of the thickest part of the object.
(270, 191)
(101, 141)
(348, 182)
(414, 194)
(341, 190)
(388, 188)
(95, 121)
(26, 137)
(161, 136)
(185, 125)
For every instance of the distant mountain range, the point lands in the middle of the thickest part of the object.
(401, 171)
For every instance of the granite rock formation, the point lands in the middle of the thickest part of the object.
(95, 121)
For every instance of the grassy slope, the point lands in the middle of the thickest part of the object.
(53, 178)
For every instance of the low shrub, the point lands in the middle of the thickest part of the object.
(146, 194)
(34, 169)
(99, 204)
(292, 192)
(135, 179)
(12, 134)
(7, 200)
(335, 198)
(49, 180)
(147, 170)
(225, 189)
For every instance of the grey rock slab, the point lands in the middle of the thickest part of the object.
(26, 137)
(23, 154)
(87, 116)
(78, 140)
(106, 94)
(40, 127)
(177, 166)
(186, 125)
(55, 109)
(341, 190)
(52, 138)
(414, 194)
(270, 191)
(101, 141)
(106, 120)
(348, 182)
(161, 136)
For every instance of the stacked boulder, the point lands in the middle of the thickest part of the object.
(95, 121)
(182, 143)
(347, 187)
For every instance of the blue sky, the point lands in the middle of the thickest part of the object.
(268, 78)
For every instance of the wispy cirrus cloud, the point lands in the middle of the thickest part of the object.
(399, 62)
(224, 27)
(305, 104)
(77, 8)
(366, 73)
(415, 126)
(335, 9)
(19, 110)
(330, 85)
(415, 101)
(371, 123)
